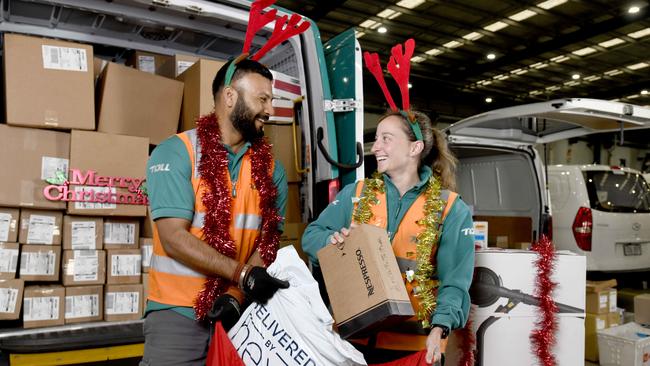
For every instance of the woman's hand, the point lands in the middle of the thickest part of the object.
(434, 346)
(338, 238)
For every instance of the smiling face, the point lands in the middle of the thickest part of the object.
(253, 106)
(394, 152)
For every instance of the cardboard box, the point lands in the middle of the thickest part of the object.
(147, 225)
(124, 266)
(84, 267)
(148, 62)
(11, 298)
(137, 103)
(39, 262)
(642, 306)
(597, 286)
(598, 302)
(625, 298)
(9, 224)
(40, 227)
(614, 319)
(98, 68)
(48, 83)
(146, 248)
(84, 304)
(293, 211)
(43, 306)
(123, 302)
(177, 65)
(505, 309)
(593, 323)
(292, 235)
(81, 232)
(145, 286)
(8, 260)
(29, 157)
(281, 137)
(364, 282)
(197, 91)
(121, 234)
(517, 229)
(107, 169)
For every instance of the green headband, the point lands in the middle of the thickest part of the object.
(232, 67)
(415, 126)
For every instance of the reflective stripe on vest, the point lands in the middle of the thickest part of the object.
(173, 283)
(409, 335)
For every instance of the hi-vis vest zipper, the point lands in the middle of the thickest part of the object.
(408, 335)
(173, 283)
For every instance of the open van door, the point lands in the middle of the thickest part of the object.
(554, 120)
(344, 66)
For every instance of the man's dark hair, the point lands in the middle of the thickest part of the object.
(244, 67)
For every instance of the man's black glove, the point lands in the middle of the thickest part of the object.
(225, 309)
(260, 285)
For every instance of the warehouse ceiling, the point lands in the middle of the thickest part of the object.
(477, 55)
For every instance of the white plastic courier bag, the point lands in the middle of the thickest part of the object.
(294, 327)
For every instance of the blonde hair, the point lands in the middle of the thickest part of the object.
(436, 152)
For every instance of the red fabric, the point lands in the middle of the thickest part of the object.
(416, 359)
(221, 351)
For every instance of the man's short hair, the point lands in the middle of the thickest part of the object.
(244, 67)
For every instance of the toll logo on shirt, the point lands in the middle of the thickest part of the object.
(467, 231)
(159, 168)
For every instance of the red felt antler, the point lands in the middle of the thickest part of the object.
(399, 66)
(257, 21)
(282, 32)
(374, 66)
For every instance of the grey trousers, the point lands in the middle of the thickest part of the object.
(172, 339)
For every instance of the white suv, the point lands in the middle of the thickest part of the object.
(602, 212)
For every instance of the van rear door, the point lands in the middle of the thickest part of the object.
(554, 120)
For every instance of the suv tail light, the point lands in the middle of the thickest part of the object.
(582, 226)
(332, 189)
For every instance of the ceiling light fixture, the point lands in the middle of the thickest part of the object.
(452, 44)
(633, 9)
(410, 4)
(612, 42)
(638, 66)
(640, 33)
(410, 85)
(417, 59)
(473, 36)
(644, 92)
(522, 15)
(575, 76)
(434, 52)
(488, 100)
(551, 4)
(382, 30)
(559, 59)
(491, 56)
(584, 51)
(495, 26)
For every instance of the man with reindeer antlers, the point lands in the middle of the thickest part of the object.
(218, 207)
(430, 227)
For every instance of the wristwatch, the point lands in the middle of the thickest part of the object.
(445, 330)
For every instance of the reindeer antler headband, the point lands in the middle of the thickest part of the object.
(399, 66)
(256, 21)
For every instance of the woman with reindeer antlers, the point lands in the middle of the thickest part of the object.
(430, 227)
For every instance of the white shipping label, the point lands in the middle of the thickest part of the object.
(181, 66)
(600, 323)
(8, 300)
(8, 260)
(81, 306)
(41, 229)
(108, 195)
(119, 233)
(41, 308)
(5, 226)
(86, 265)
(65, 58)
(50, 166)
(612, 301)
(83, 235)
(146, 250)
(122, 303)
(602, 299)
(147, 64)
(125, 265)
(37, 263)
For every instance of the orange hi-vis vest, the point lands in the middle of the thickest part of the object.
(408, 335)
(173, 283)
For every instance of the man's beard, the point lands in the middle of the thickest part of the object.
(243, 119)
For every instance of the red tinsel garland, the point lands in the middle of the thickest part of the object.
(466, 341)
(543, 336)
(213, 168)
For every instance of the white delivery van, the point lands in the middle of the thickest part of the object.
(602, 212)
(500, 173)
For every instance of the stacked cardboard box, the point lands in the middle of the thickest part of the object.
(600, 305)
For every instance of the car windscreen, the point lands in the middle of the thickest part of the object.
(617, 191)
